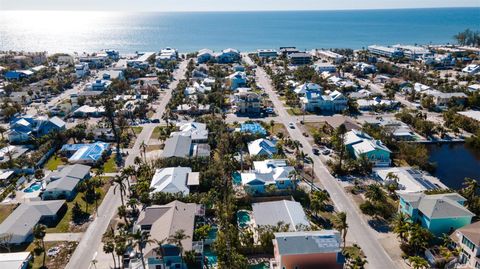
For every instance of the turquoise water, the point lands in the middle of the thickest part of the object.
(129, 32)
(34, 187)
(210, 255)
(259, 266)
(243, 218)
(212, 234)
(237, 178)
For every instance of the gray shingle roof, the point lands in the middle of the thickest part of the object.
(68, 178)
(438, 205)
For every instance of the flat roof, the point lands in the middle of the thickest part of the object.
(473, 114)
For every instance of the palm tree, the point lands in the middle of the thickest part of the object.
(143, 147)
(272, 125)
(470, 190)
(39, 232)
(375, 193)
(341, 131)
(317, 201)
(140, 240)
(109, 247)
(177, 239)
(418, 262)
(401, 226)
(119, 180)
(340, 223)
(159, 250)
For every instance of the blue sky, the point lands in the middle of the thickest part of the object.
(225, 5)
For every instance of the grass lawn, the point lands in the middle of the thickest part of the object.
(156, 132)
(5, 211)
(137, 129)
(54, 162)
(63, 225)
(279, 128)
(110, 166)
(60, 260)
(296, 111)
(313, 126)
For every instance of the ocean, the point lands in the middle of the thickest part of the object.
(85, 31)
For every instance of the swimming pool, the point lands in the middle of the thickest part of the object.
(237, 179)
(34, 187)
(243, 218)
(211, 256)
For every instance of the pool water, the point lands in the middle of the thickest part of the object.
(237, 179)
(211, 256)
(34, 187)
(243, 218)
(212, 234)
(259, 266)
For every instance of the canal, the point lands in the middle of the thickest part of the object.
(454, 162)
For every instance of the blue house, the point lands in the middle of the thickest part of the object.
(23, 128)
(439, 213)
(253, 128)
(255, 182)
(262, 147)
(85, 153)
(237, 80)
(360, 144)
(17, 74)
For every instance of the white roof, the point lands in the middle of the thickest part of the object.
(171, 180)
(256, 146)
(409, 180)
(288, 212)
(474, 114)
(90, 109)
(302, 89)
(270, 177)
(268, 165)
(14, 260)
(196, 130)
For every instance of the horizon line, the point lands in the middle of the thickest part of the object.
(246, 10)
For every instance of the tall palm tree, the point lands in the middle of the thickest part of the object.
(143, 147)
(39, 232)
(119, 181)
(109, 247)
(470, 190)
(340, 223)
(140, 239)
(401, 226)
(375, 193)
(177, 239)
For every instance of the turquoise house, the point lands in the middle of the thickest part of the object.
(360, 144)
(439, 213)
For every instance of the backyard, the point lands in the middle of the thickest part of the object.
(5, 211)
(59, 260)
(53, 163)
(63, 225)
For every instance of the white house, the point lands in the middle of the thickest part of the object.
(316, 101)
(308, 86)
(196, 131)
(262, 147)
(174, 180)
(81, 70)
(471, 69)
(474, 87)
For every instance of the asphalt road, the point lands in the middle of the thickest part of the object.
(359, 231)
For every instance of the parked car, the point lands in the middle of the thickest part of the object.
(291, 125)
(315, 151)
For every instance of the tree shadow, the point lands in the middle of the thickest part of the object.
(379, 225)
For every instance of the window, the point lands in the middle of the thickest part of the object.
(468, 243)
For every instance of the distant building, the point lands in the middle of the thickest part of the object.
(89, 111)
(365, 68)
(315, 101)
(325, 67)
(253, 128)
(328, 54)
(237, 80)
(309, 249)
(443, 99)
(306, 87)
(174, 180)
(247, 103)
(414, 52)
(288, 50)
(471, 69)
(228, 56)
(167, 55)
(467, 238)
(267, 53)
(81, 70)
(18, 74)
(205, 55)
(300, 58)
(439, 213)
(385, 51)
(360, 144)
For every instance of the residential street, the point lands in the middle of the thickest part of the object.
(359, 231)
(90, 246)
